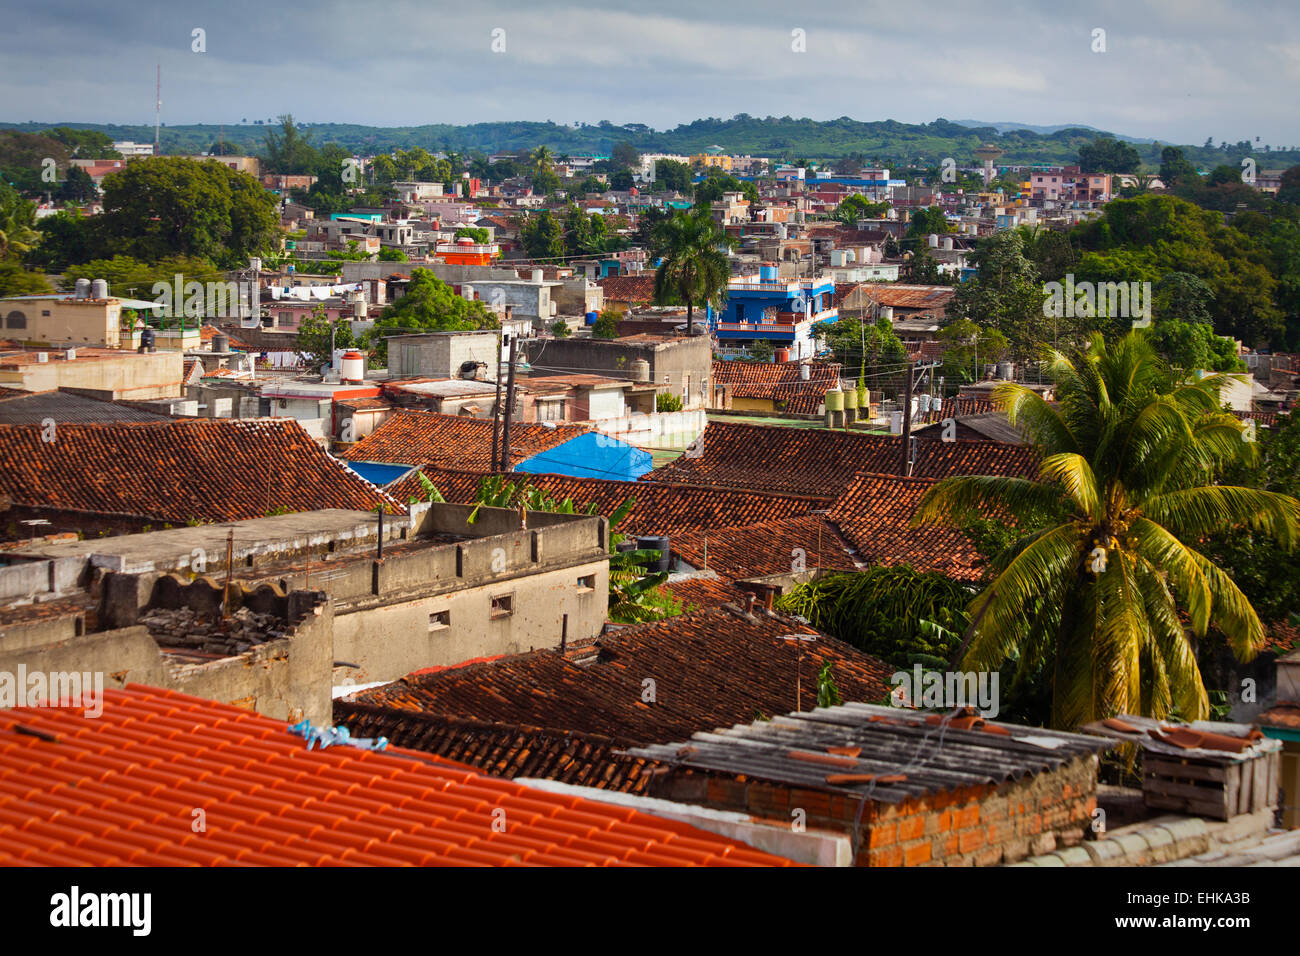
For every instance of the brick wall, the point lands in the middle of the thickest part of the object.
(981, 825)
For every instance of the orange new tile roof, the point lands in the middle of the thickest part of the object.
(659, 508)
(710, 669)
(780, 382)
(175, 470)
(121, 789)
(818, 461)
(453, 441)
(875, 514)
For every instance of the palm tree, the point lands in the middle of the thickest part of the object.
(694, 268)
(1111, 593)
(541, 158)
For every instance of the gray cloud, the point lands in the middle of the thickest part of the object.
(1176, 70)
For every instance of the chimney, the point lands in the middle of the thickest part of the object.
(749, 602)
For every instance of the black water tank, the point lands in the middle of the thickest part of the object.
(628, 545)
(146, 340)
(655, 543)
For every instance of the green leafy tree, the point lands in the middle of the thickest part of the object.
(78, 187)
(1130, 454)
(15, 280)
(855, 207)
(1107, 155)
(673, 176)
(317, 334)
(967, 347)
(695, 269)
(1005, 295)
(477, 233)
(542, 236)
(1174, 167)
(288, 150)
(428, 305)
(606, 326)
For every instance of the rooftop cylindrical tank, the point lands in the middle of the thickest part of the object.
(804, 371)
(937, 405)
(147, 340)
(639, 370)
(887, 312)
(850, 396)
(947, 243)
(537, 275)
(354, 366)
(767, 272)
(934, 240)
(1006, 371)
(220, 343)
(99, 289)
(655, 543)
(82, 289)
(925, 401)
(781, 355)
(592, 317)
(834, 400)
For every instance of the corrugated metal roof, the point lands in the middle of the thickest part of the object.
(928, 753)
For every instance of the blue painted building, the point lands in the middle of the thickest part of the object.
(784, 312)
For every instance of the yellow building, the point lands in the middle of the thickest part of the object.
(64, 320)
(720, 160)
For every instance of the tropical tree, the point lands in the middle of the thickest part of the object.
(1111, 598)
(694, 270)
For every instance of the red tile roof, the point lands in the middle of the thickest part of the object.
(121, 789)
(780, 382)
(875, 515)
(660, 508)
(413, 437)
(710, 669)
(177, 470)
(928, 298)
(1281, 715)
(504, 750)
(818, 461)
(769, 547)
(630, 289)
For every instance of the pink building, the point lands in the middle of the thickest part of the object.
(1069, 184)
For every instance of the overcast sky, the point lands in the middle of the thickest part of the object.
(1173, 70)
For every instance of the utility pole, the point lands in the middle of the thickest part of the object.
(510, 406)
(496, 409)
(157, 110)
(907, 425)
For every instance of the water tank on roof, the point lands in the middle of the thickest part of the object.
(925, 402)
(937, 405)
(1006, 371)
(537, 275)
(781, 355)
(947, 243)
(354, 366)
(887, 312)
(850, 398)
(767, 272)
(933, 240)
(655, 543)
(834, 400)
(99, 289)
(82, 289)
(147, 341)
(639, 369)
(805, 371)
(220, 343)
(592, 317)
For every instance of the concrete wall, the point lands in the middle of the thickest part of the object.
(660, 430)
(70, 321)
(671, 361)
(440, 355)
(128, 375)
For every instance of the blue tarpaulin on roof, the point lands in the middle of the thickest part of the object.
(591, 456)
(378, 473)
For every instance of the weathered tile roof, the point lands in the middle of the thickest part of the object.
(932, 298)
(121, 789)
(917, 753)
(31, 408)
(768, 547)
(504, 750)
(1284, 714)
(707, 669)
(780, 382)
(177, 470)
(875, 513)
(628, 288)
(453, 441)
(819, 461)
(660, 507)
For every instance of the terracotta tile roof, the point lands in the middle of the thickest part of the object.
(780, 382)
(1285, 714)
(704, 590)
(504, 750)
(660, 508)
(928, 298)
(120, 789)
(628, 288)
(193, 371)
(175, 470)
(768, 547)
(413, 437)
(875, 515)
(32, 408)
(842, 291)
(819, 461)
(686, 657)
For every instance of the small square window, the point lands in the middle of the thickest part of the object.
(439, 621)
(587, 583)
(503, 605)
